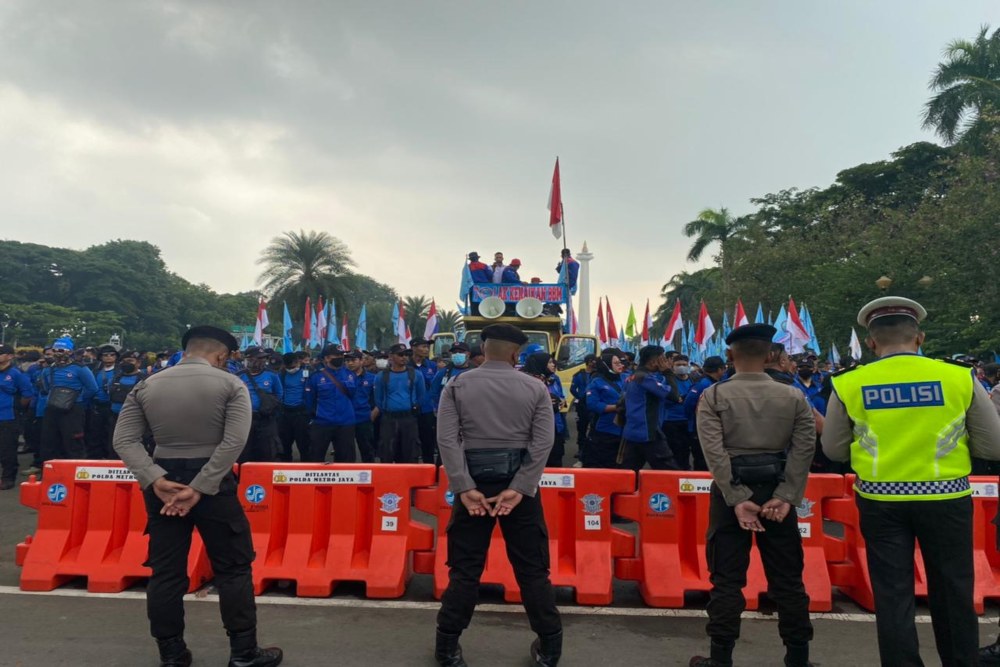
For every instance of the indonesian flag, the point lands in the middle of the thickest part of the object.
(432, 322)
(345, 342)
(675, 324)
(402, 331)
(798, 337)
(612, 329)
(321, 323)
(573, 326)
(555, 204)
(705, 330)
(258, 332)
(647, 324)
(307, 327)
(602, 333)
(740, 319)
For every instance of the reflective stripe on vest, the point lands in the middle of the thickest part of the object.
(910, 440)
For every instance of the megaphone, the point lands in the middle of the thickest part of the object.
(492, 307)
(529, 308)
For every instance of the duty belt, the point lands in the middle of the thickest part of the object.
(913, 488)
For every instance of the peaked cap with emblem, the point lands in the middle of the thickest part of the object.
(213, 333)
(890, 305)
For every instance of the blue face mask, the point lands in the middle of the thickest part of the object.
(459, 358)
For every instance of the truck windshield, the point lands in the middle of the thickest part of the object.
(534, 337)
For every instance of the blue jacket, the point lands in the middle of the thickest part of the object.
(103, 379)
(427, 371)
(675, 409)
(294, 385)
(573, 270)
(73, 376)
(480, 272)
(645, 394)
(364, 397)
(510, 275)
(813, 395)
(578, 386)
(330, 405)
(14, 385)
(443, 377)
(691, 402)
(125, 381)
(600, 394)
(267, 382)
(41, 394)
(396, 392)
(556, 389)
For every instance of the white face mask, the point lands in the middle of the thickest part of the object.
(381, 364)
(682, 370)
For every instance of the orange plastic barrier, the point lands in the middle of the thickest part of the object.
(318, 525)
(582, 542)
(672, 510)
(91, 519)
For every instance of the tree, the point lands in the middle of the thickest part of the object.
(967, 88)
(714, 226)
(448, 320)
(301, 264)
(417, 308)
(691, 289)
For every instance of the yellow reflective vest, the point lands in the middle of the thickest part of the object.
(910, 441)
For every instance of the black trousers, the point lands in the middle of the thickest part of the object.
(399, 437)
(602, 450)
(322, 436)
(262, 442)
(582, 423)
(557, 452)
(656, 452)
(684, 445)
(527, 541)
(293, 426)
(364, 435)
(226, 532)
(99, 431)
(8, 450)
(944, 530)
(728, 553)
(63, 434)
(427, 430)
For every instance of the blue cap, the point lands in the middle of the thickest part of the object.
(64, 343)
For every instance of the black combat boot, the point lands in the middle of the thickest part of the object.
(546, 650)
(174, 652)
(721, 656)
(797, 655)
(244, 651)
(989, 656)
(447, 652)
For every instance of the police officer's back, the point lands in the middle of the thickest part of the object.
(495, 430)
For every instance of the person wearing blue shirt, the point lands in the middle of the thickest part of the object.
(98, 423)
(676, 427)
(329, 394)
(70, 388)
(458, 364)
(420, 349)
(399, 394)
(572, 269)
(510, 273)
(293, 420)
(645, 394)
(15, 390)
(603, 392)
(713, 368)
(806, 382)
(122, 384)
(33, 432)
(265, 402)
(541, 365)
(578, 389)
(480, 272)
(364, 405)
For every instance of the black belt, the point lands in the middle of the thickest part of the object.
(400, 413)
(175, 465)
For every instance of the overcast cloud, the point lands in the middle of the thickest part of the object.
(418, 131)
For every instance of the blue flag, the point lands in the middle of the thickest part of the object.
(314, 340)
(770, 319)
(760, 314)
(361, 333)
(286, 344)
(395, 319)
(726, 329)
(332, 325)
(807, 322)
(779, 323)
(463, 290)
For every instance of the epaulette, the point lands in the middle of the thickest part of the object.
(846, 370)
(956, 362)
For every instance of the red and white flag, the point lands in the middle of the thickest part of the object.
(307, 327)
(798, 337)
(345, 342)
(740, 319)
(602, 333)
(612, 329)
(675, 324)
(705, 329)
(321, 323)
(402, 330)
(431, 327)
(258, 331)
(555, 204)
(647, 325)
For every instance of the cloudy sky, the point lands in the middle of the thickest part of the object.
(418, 131)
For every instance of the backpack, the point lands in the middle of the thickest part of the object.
(118, 392)
(269, 403)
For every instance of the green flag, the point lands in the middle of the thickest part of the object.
(630, 323)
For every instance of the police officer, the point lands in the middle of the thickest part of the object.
(645, 394)
(909, 425)
(494, 453)
(69, 388)
(293, 422)
(758, 438)
(15, 390)
(330, 396)
(364, 405)
(200, 417)
(265, 400)
(426, 422)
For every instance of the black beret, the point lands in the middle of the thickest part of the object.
(506, 332)
(751, 332)
(649, 353)
(713, 364)
(211, 333)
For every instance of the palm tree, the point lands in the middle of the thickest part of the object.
(690, 288)
(715, 226)
(448, 320)
(416, 313)
(301, 264)
(967, 86)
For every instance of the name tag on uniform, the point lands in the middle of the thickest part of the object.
(903, 395)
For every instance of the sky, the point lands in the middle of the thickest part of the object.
(417, 132)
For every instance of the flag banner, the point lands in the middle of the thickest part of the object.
(261, 324)
(798, 337)
(781, 336)
(855, 345)
(514, 293)
(834, 355)
(631, 324)
(345, 342)
(463, 290)
(602, 333)
(286, 326)
(431, 327)
(555, 204)
(361, 331)
(322, 321)
(610, 319)
(675, 324)
(760, 314)
(647, 325)
(740, 319)
(332, 335)
(307, 335)
(705, 329)
(402, 328)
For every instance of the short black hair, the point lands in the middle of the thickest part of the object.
(753, 348)
(893, 329)
(681, 357)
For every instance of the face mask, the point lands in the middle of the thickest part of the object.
(805, 373)
(682, 370)
(164, 362)
(381, 364)
(128, 368)
(459, 359)
(337, 362)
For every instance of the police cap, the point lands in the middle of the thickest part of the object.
(751, 332)
(505, 332)
(332, 350)
(211, 333)
(890, 305)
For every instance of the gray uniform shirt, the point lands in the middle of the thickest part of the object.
(495, 407)
(194, 411)
(752, 414)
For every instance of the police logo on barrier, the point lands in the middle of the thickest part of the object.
(82, 474)
(364, 477)
(449, 497)
(984, 490)
(805, 509)
(553, 481)
(592, 503)
(279, 477)
(57, 493)
(660, 503)
(390, 502)
(255, 494)
(694, 485)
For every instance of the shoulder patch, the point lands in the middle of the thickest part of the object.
(845, 370)
(956, 362)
